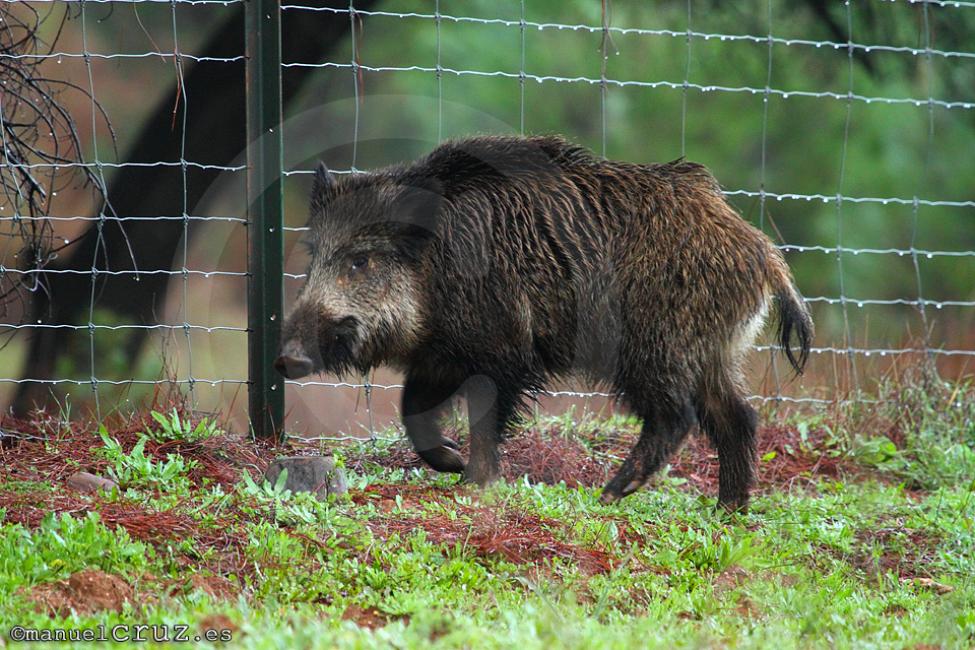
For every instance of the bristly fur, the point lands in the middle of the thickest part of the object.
(508, 261)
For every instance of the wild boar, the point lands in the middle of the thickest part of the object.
(494, 265)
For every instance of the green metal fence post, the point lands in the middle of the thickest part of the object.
(265, 201)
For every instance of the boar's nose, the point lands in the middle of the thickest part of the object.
(293, 366)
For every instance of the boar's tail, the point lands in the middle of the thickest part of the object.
(794, 320)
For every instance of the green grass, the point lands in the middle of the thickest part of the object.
(412, 560)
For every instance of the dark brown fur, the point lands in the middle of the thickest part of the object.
(495, 264)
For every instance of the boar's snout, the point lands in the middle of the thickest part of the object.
(293, 363)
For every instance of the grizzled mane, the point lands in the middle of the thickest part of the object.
(459, 164)
(689, 172)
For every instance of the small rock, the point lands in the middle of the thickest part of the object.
(317, 474)
(90, 483)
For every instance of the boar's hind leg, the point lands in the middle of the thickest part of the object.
(730, 423)
(423, 403)
(664, 429)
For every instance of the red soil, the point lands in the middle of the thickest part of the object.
(85, 592)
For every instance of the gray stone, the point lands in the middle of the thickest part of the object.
(90, 483)
(316, 474)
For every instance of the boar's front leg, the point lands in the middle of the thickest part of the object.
(423, 404)
(490, 411)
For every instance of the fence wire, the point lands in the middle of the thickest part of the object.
(188, 333)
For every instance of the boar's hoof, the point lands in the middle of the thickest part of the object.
(613, 493)
(609, 496)
(443, 458)
(482, 473)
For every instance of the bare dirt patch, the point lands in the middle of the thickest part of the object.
(217, 623)
(730, 579)
(747, 608)
(370, 617)
(894, 549)
(85, 592)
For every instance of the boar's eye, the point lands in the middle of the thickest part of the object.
(358, 263)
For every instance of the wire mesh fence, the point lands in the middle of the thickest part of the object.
(843, 132)
(105, 263)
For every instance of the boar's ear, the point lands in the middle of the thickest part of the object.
(323, 186)
(418, 208)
